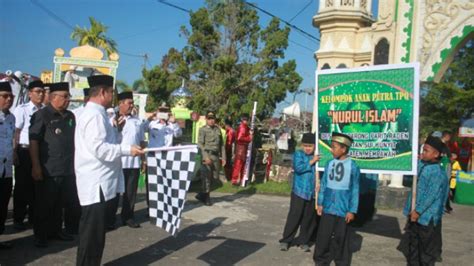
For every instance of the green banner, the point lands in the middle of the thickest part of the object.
(376, 106)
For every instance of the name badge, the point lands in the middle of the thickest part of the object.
(339, 175)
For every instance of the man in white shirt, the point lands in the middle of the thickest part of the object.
(161, 128)
(132, 134)
(23, 194)
(7, 129)
(78, 111)
(97, 167)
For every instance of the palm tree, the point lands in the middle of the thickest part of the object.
(95, 36)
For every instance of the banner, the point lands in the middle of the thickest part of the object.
(378, 107)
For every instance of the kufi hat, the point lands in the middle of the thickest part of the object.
(436, 143)
(59, 86)
(125, 95)
(35, 84)
(5, 86)
(100, 80)
(342, 138)
(309, 138)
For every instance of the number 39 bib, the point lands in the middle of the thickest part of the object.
(339, 174)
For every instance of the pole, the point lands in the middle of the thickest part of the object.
(249, 149)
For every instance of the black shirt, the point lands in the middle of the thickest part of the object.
(54, 132)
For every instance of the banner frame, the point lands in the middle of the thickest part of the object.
(415, 122)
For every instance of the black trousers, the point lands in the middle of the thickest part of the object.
(92, 227)
(130, 195)
(333, 240)
(111, 210)
(302, 216)
(5, 194)
(24, 191)
(72, 207)
(50, 198)
(423, 247)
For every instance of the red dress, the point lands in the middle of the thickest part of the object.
(242, 142)
(229, 142)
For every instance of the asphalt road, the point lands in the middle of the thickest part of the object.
(244, 230)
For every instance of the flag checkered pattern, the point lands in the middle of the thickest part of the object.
(169, 177)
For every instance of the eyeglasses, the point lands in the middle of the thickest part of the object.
(67, 96)
(5, 96)
(38, 91)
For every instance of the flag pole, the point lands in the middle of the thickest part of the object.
(249, 149)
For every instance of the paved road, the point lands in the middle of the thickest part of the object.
(240, 229)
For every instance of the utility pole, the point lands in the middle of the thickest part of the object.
(145, 60)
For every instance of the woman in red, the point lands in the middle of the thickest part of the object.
(229, 143)
(244, 137)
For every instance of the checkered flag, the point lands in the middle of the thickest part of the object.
(170, 171)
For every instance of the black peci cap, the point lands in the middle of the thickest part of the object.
(5, 86)
(125, 95)
(59, 86)
(100, 80)
(35, 84)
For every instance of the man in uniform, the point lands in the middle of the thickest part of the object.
(132, 134)
(7, 130)
(52, 157)
(23, 194)
(98, 168)
(213, 154)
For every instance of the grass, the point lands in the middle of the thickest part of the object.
(271, 188)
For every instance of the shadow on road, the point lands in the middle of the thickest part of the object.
(199, 232)
(382, 225)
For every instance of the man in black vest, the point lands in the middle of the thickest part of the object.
(52, 155)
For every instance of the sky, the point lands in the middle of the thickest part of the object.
(29, 34)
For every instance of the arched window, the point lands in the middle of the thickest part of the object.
(341, 66)
(381, 52)
(326, 66)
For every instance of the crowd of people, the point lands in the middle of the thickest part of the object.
(71, 169)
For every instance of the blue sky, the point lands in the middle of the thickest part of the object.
(29, 36)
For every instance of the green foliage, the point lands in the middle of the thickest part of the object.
(229, 62)
(94, 36)
(122, 86)
(447, 102)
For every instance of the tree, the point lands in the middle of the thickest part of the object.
(139, 86)
(446, 103)
(229, 62)
(94, 36)
(122, 86)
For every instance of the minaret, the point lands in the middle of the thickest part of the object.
(342, 43)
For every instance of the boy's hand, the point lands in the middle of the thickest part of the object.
(319, 210)
(414, 216)
(314, 160)
(349, 217)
